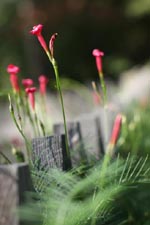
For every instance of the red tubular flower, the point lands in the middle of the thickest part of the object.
(116, 129)
(37, 31)
(27, 82)
(30, 91)
(13, 71)
(43, 83)
(98, 57)
(51, 44)
(96, 98)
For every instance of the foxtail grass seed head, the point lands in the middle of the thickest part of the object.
(37, 31)
(98, 57)
(13, 71)
(30, 92)
(27, 82)
(43, 80)
(51, 44)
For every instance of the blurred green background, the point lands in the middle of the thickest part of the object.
(120, 28)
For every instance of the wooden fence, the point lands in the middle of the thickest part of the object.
(86, 133)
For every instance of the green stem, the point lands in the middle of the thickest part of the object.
(43, 103)
(5, 157)
(19, 128)
(36, 123)
(55, 67)
(104, 91)
(103, 86)
(18, 103)
(30, 117)
(105, 164)
(62, 103)
(42, 128)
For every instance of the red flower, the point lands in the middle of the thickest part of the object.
(37, 31)
(43, 82)
(51, 44)
(116, 129)
(98, 56)
(13, 70)
(30, 91)
(27, 82)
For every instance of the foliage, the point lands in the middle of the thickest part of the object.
(135, 131)
(74, 198)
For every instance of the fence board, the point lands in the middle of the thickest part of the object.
(50, 152)
(90, 131)
(76, 145)
(14, 182)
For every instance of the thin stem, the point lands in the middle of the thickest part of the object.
(43, 103)
(62, 102)
(105, 164)
(30, 117)
(42, 128)
(103, 86)
(104, 91)
(5, 157)
(36, 122)
(55, 67)
(19, 127)
(18, 103)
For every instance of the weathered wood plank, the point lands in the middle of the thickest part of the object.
(90, 131)
(50, 152)
(14, 182)
(76, 145)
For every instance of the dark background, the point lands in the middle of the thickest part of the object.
(120, 28)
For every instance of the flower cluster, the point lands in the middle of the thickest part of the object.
(13, 70)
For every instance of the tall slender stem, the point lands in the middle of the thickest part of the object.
(54, 63)
(5, 157)
(36, 123)
(103, 86)
(55, 67)
(28, 146)
(30, 117)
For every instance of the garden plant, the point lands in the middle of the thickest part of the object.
(110, 189)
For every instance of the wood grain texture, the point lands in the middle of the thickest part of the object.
(50, 152)
(76, 146)
(14, 182)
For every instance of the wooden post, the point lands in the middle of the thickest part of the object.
(76, 145)
(90, 131)
(14, 182)
(50, 152)
(99, 133)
